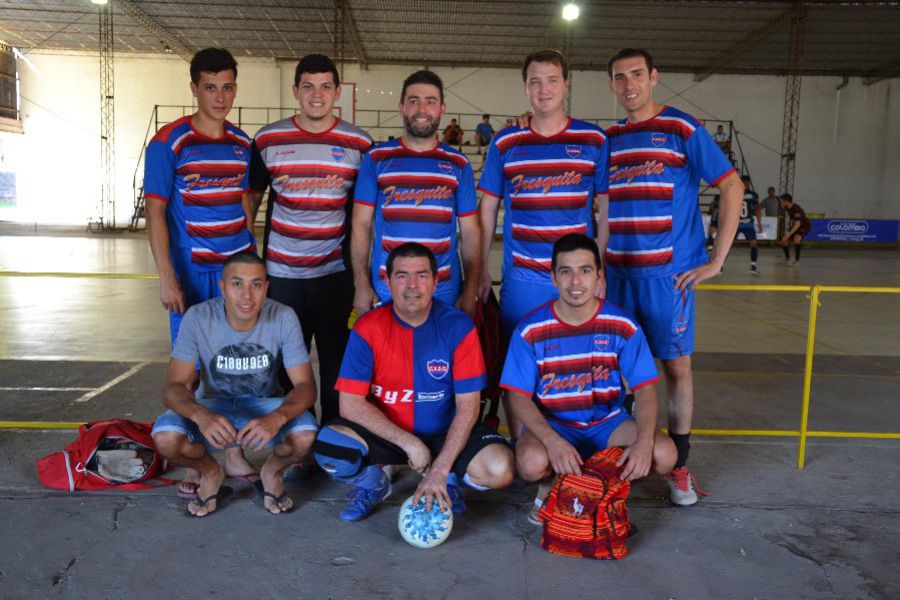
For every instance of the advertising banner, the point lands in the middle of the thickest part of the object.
(853, 230)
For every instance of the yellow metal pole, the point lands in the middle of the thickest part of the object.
(38, 425)
(807, 371)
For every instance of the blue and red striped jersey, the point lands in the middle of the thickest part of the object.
(412, 374)
(418, 197)
(201, 180)
(547, 184)
(655, 168)
(575, 373)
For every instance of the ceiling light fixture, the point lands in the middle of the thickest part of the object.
(570, 11)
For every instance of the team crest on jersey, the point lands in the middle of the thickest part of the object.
(601, 341)
(338, 153)
(240, 152)
(445, 167)
(573, 151)
(438, 368)
(658, 139)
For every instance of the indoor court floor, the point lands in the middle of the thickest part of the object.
(80, 349)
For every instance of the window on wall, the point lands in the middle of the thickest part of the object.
(9, 85)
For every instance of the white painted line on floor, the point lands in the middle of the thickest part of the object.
(162, 358)
(97, 391)
(46, 389)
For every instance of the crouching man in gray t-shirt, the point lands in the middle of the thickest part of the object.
(239, 341)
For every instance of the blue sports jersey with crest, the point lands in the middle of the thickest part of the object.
(417, 197)
(575, 372)
(412, 374)
(655, 167)
(547, 184)
(748, 206)
(201, 180)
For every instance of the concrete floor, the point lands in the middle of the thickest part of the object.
(767, 531)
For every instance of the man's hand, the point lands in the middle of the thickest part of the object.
(467, 303)
(690, 279)
(217, 429)
(564, 458)
(433, 487)
(363, 299)
(484, 288)
(419, 456)
(257, 433)
(170, 294)
(759, 227)
(637, 459)
(784, 242)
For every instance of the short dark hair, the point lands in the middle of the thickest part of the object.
(244, 257)
(411, 250)
(423, 76)
(787, 197)
(572, 242)
(745, 178)
(316, 63)
(212, 60)
(631, 53)
(547, 55)
(485, 116)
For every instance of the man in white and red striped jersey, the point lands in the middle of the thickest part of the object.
(311, 162)
(652, 232)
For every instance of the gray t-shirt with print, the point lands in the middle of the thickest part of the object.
(240, 364)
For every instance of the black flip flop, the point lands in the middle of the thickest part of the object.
(277, 500)
(221, 495)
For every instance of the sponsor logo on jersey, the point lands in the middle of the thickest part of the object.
(658, 139)
(308, 184)
(194, 181)
(285, 152)
(544, 184)
(650, 167)
(601, 340)
(445, 167)
(438, 368)
(551, 383)
(415, 195)
(573, 151)
(338, 153)
(430, 396)
(239, 152)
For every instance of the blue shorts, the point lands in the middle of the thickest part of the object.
(665, 314)
(591, 439)
(198, 287)
(517, 299)
(239, 411)
(747, 230)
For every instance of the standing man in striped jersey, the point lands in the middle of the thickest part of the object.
(548, 176)
(194, 175)
(653, 235)
(416, 189)
(311, 162)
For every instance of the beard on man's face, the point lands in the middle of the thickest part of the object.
(424, 130)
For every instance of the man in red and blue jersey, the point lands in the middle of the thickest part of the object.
(410, 389)
(567, 369)
(548, 176)
(194, 175)
(310, 162)
(416, 189)
(652, 233)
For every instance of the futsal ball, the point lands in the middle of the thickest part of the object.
(423, 528)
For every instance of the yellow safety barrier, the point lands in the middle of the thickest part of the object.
(802, 434)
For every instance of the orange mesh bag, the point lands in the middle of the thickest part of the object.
(585, 515)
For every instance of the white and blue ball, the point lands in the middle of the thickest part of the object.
(424, 528)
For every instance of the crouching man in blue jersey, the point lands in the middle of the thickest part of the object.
(409, 394)
(567, 368)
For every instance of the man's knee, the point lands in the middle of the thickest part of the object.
(340, 454)
(678, 368)
(169, 443)
(664, 454)
(532, 461)
(493, 467)
(301, 442)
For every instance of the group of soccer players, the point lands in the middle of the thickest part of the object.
(603, 246)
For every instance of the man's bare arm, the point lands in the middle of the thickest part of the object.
(251, 201)
(564, 458)
(601, 210)
(360, 249)
(178, 396)
(257, 432)
(359, 410)
(471, 242)
(487, 217)
(170, 294)
(637, 458)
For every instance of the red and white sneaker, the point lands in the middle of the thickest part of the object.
(683, 488)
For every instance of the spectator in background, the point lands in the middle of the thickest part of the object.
(771, 203)
(453, 134)
(722, 140)
(510, 122)
(484, 132)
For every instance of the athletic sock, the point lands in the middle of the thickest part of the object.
(787, 251)
(683, 446)
(797, 252)
(754, 254)
(469, 483)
